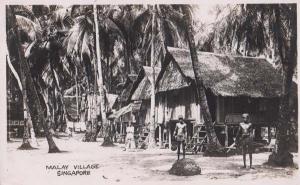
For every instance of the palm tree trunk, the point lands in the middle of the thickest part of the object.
(202, 100)
(77, 94)
(108, 74)
(27, 119)
(46, 122)
(152, 142)
(22, 85)
(281, 156)
(92, 125)
(127, 57)
(107, 138)
(14, 72)
(89, 124)
(26, 72)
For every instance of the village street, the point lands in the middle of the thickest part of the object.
(118, 166)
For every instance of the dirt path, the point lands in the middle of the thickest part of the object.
(115, 165)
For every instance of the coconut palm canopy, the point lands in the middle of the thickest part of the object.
(225, 75)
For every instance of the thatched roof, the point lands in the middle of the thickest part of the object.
(111, 99)
(225, 75)
(71, 106)
(127, 88)
(132, 107)
(121, 112)
(143, 91)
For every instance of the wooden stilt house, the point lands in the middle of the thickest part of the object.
(234, 85)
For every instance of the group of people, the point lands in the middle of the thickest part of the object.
(244, 137)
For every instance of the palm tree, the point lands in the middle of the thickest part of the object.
(286, 34)
(79, 45)
(90, 48)
(107, 137)
(152, 105)
(27, 119)
(126, 19)
(202, 100)
(29, 94)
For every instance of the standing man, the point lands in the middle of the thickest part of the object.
(180, 135)
(245, 138)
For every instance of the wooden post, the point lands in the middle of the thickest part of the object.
(269, 134)
(218, 109)
(159, 135)
(170, 138)
(121, 130)
(226, 136)
(199, 114)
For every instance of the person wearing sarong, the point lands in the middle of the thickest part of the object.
(180, 135)
(244, 138)
(130, 142)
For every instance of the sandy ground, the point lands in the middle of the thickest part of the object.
(118, 166)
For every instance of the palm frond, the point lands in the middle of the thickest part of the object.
(24, 11)
(62, 19)
(111, 24)
(31, 28)
(75, 39)
(120, 27)
(175, 33)
(28, 51)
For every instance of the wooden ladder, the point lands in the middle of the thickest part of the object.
(143, 140)
(202, 138)
(199, 140)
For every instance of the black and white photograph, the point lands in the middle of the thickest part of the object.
(150, 92)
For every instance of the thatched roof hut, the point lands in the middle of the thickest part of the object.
(143, 90)
(225, 75)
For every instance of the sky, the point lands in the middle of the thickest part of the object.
(203, 13)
